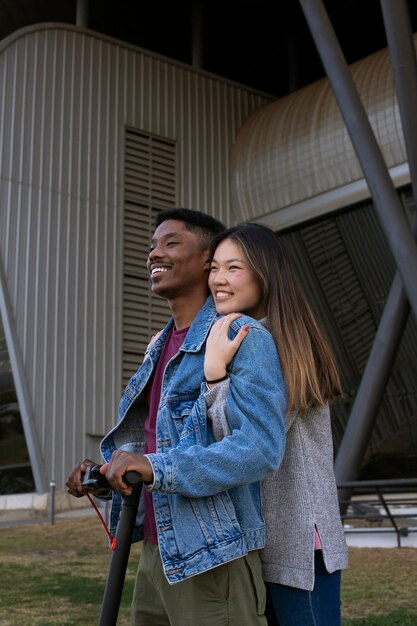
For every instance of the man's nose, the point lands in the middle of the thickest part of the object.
(155, 253)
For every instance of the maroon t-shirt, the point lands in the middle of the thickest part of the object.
(171, 347)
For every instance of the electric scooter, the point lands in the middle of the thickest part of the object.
(120, 543)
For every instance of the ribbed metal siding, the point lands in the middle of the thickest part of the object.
(290, 154)
(66, 97)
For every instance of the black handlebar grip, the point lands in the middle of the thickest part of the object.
(132, 478)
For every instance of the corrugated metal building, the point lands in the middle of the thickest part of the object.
(96, 136)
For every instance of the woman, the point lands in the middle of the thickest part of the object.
(305, 546)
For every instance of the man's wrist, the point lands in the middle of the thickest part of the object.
(147, 473)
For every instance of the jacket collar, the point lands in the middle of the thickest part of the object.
(200, 327)
(198, 331)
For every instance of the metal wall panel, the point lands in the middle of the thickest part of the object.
(66, 97)
(293, 159)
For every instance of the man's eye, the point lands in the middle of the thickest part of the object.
(172, 243)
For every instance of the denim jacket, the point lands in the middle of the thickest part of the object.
(206, 494)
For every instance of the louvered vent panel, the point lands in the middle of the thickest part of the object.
(150, 174)
(342, 287)
(332, 285)
(346, 270)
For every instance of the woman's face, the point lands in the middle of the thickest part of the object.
(232, 283)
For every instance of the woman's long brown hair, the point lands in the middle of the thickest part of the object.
(306, 357)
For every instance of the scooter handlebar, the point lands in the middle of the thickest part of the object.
(94, 480)
(132, 478)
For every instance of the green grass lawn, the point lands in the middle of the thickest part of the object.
(380, 587)
(54, 574)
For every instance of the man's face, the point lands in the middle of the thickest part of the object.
(177, 264)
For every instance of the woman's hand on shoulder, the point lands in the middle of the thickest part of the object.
(220, 349)
(152, 341)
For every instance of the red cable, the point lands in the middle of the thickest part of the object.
(112, 540)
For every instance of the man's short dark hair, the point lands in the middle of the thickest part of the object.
(202, 224)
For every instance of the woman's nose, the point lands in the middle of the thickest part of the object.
(219, 278)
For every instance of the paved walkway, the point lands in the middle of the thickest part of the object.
(32, 508)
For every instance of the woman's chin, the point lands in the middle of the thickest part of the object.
(223, 309)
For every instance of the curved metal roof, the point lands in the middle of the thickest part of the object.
(293, 158)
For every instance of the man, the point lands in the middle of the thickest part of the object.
(200, 511)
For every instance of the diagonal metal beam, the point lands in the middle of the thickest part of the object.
(396, 311)
(387, 203)
(381, 359)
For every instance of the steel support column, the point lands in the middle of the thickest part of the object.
(82, 10)
(197, 45)
(396, 311)
(389, 209)
(372, 387)
(402, 52)
(395, 315)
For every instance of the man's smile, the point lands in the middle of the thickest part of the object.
(158, 269)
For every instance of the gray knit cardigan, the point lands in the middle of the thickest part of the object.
(299, 495)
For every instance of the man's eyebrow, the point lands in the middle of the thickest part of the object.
(167, 235)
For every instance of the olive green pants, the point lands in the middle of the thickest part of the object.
(232, 594)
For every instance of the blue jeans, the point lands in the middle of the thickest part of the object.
(296, 607)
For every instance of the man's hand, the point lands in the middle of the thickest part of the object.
(122, 462)
(74, 480)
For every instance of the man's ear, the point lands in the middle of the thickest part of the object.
(207, 262)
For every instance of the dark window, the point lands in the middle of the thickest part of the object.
(15, 469)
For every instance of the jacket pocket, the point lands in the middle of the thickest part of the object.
(181, 415)
(180, 420)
